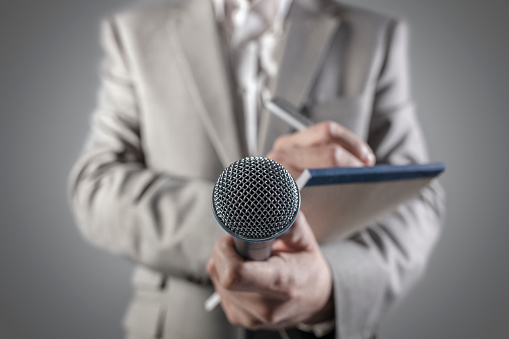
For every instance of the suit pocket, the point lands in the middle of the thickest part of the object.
(145, 315)
(144, 319)
(351, 112)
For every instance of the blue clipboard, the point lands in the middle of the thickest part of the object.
(377, 173)
(339, 202)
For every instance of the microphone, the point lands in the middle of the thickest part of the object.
(255, 200)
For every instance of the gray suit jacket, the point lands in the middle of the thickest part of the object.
(166, 126)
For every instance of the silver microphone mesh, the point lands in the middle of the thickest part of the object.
(255, 198)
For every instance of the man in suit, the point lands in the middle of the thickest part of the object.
(182, 97)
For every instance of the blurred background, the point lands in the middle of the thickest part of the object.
(54, 285)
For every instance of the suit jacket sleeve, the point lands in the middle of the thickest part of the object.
(123, 206)
(374, 269)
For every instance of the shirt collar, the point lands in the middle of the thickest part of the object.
(222, 8)
(257, 16)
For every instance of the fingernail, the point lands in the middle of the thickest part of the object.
(370, 158)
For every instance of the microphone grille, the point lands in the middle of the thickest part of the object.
(255, 198)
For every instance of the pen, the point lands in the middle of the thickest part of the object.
(288, 113)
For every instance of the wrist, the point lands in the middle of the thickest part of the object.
(321, 323)
(326, 310)
(326, 313)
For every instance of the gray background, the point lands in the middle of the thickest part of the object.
(54, 285)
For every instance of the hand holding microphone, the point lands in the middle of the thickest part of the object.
(293, 286)
(257, 201)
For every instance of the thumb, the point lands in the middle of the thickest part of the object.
(298, 238)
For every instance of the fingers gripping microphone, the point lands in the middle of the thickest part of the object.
(255, 200)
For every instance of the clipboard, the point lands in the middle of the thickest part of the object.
(339, 202)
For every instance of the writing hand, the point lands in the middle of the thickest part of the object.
(325, 144)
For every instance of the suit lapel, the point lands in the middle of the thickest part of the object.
(198, 49)
(309, 37)
(302, 50)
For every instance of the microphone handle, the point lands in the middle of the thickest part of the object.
(258, 251)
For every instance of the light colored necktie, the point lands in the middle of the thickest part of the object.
(250, 28)
(252, 55)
